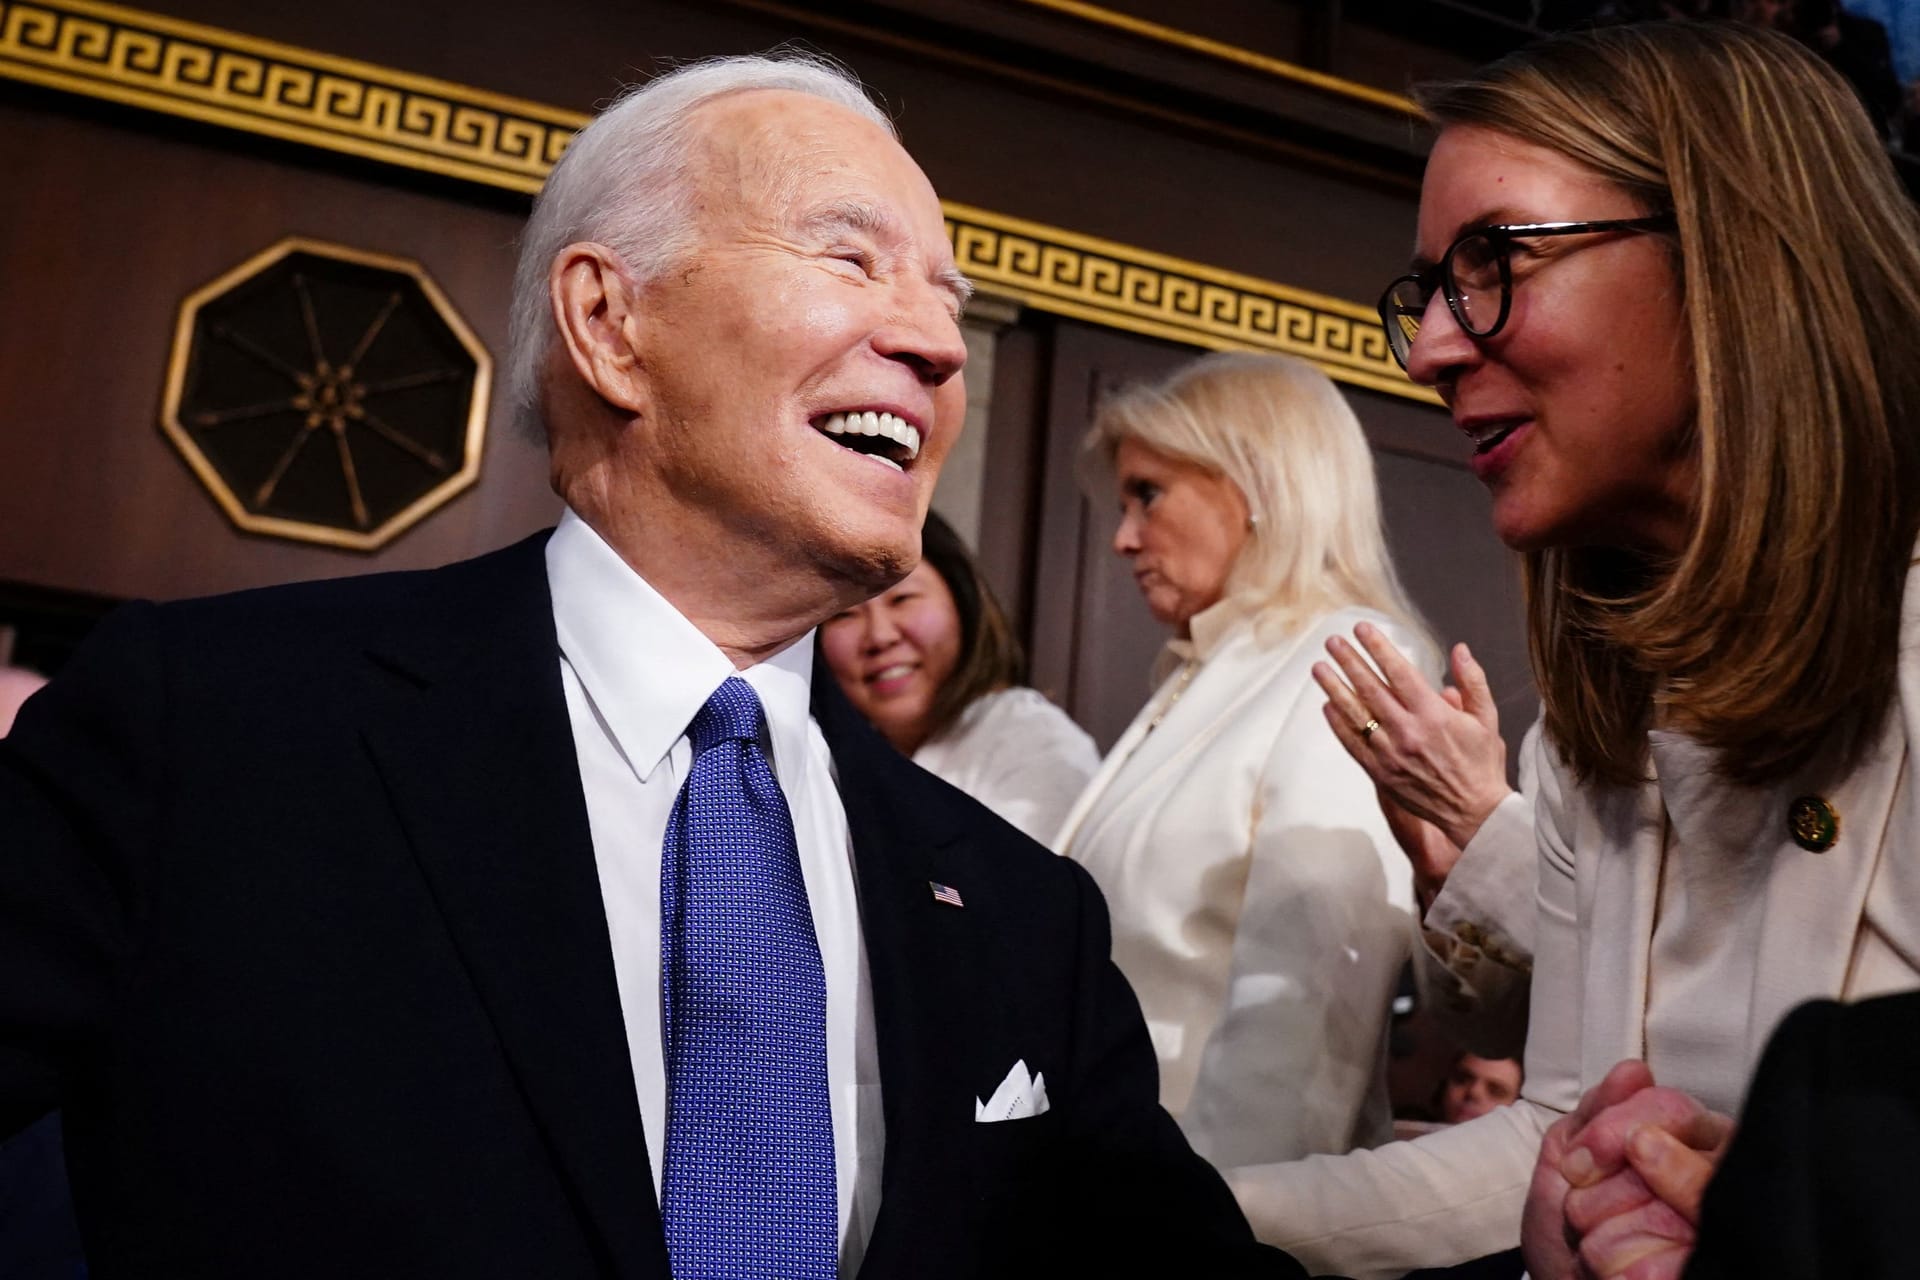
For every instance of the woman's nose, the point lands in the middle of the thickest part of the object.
(1441, 346)
(1126, 538)
(880, 630)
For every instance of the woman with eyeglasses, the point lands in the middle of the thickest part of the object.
(1667, 282)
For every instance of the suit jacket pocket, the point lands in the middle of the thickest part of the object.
(1014, 1171)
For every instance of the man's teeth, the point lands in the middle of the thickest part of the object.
(892, 427)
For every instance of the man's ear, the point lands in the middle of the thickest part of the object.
(596, 312)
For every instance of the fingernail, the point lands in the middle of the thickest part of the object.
(1364, 630)
(1645, 1144)
(1578, 1167)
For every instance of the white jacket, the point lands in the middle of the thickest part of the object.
(1261, 908)
(1840, 923)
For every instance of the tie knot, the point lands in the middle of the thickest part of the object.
(732, 713)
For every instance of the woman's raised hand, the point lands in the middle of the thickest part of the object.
(1437, 755)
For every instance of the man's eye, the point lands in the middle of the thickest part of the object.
(859, 258)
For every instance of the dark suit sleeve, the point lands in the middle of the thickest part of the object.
(1146, 1203)
(77, 779)
(1822, 1178)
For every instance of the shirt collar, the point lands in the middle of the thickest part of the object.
(646, 669)
(1208, 629)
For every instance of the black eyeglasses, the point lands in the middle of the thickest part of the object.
(1476, 275)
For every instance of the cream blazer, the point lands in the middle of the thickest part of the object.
(1843, 923)
(1261, 908)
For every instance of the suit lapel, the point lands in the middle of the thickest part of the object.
(920, 958)
(472, 737)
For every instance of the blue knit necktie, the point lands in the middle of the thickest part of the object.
(748, 1189)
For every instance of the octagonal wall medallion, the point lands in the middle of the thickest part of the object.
(326, 394)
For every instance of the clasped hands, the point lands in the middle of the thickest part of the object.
(1616, 1190)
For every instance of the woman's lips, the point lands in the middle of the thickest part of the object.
(893, 678)
(1495, 448)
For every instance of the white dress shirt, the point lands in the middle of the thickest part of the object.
(635, 672)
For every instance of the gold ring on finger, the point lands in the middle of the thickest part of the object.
(1366, 730)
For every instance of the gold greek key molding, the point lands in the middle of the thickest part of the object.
(257, 86)
(218, 77)
(1144, 292)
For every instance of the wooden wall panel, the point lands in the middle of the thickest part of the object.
(103, 230)
(109, 218)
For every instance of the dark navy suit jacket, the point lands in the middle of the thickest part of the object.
(1822, 1180)
(300, 923)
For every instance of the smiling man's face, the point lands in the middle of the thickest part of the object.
(801, 366)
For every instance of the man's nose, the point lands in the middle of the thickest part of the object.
(925, 334)
(1441, 346)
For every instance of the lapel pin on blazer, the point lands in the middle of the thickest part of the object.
(945, 893)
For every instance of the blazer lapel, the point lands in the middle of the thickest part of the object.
(1617, 890)
(1820, 899)
(473, 740)
(1236, 672)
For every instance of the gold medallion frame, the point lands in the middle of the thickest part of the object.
(474, 438)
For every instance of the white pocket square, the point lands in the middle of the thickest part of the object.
(1018, 1097)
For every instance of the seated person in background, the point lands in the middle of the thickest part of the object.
(1259, 905)
(1477, 1085)
(934, 665)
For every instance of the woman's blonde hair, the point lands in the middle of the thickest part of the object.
(1280, 430)
(1775, 632)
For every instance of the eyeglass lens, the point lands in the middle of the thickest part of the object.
(1477, 283)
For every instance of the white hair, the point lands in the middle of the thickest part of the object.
(1278, 428)
(626, 182)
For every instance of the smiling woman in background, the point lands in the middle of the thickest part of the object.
(933, 664)
(1260, 906)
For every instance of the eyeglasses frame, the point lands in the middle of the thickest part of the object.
(1441, 272)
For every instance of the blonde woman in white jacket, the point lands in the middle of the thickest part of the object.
(1260, 906)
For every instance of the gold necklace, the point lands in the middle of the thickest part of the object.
(1186, 678)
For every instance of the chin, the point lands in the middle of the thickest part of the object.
(1167, 614)
(869, 566)
(1520, 532)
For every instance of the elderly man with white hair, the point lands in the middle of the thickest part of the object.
(542, 916)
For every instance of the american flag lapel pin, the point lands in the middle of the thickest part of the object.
(945, 893)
